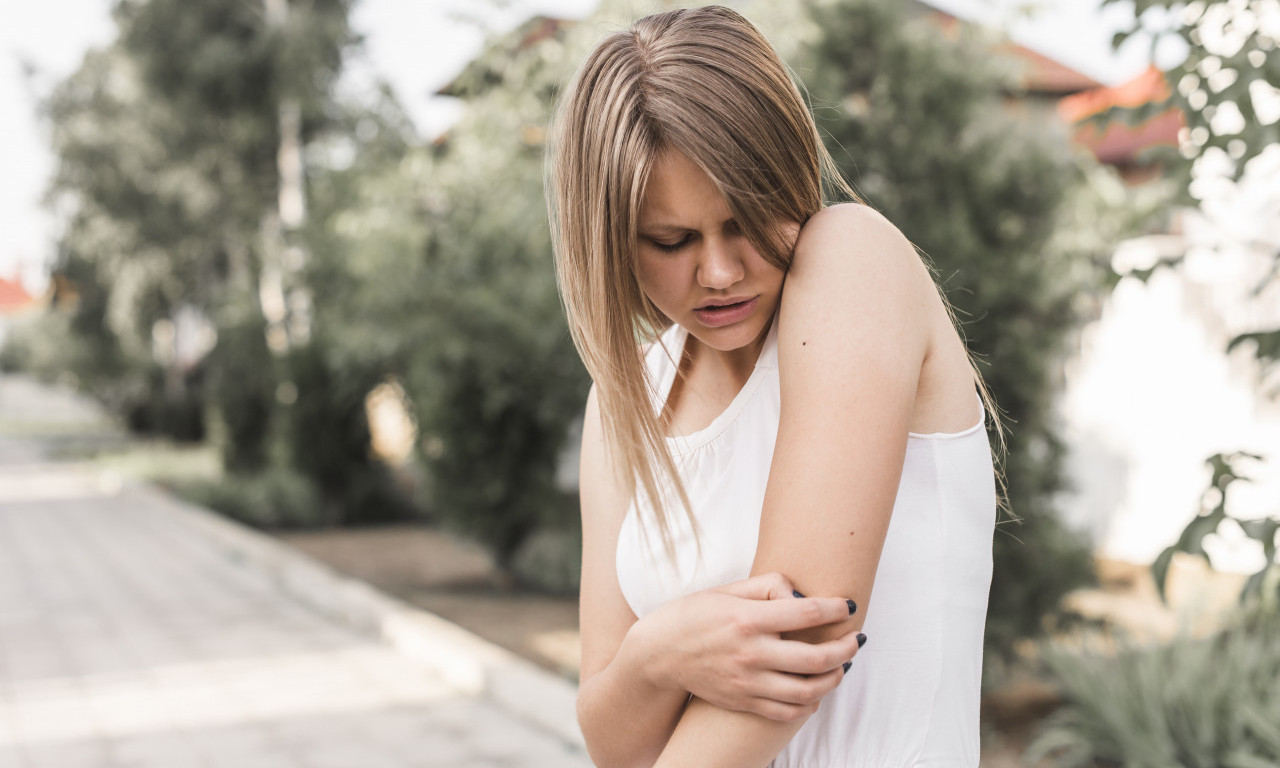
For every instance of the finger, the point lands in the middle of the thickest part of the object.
(777, 616)
(799, 689)
(798, 657)
(766, 586)
(782, 712)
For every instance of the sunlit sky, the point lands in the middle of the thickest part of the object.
(417, 45)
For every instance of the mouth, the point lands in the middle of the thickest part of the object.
(718, 313)
(732, 301)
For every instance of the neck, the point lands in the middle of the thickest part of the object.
(734, 364)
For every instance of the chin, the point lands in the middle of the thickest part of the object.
(729, 338)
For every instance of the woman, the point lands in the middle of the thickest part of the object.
(802, 419)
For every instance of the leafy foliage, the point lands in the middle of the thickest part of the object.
(326, 437)
(1229, 70)
(501, 385)
(277, 497)
(1215, 515)
(167, 143)
(1228, 90)
(1198, 703)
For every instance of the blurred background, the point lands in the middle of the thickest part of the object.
(288, 261)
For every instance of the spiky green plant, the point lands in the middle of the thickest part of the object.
(1200, 703)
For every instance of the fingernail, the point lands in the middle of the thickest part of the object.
(846, 666)
(852, 606)
(796, 593)
(862, 639)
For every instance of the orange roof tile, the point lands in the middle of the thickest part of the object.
(1120, 143)
(13, 296)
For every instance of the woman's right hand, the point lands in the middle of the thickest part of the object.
(725, 646)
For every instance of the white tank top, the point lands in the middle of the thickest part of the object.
(911, 696)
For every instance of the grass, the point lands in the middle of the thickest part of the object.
(163, 462)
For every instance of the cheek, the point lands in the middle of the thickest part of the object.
(660, 280)
(762, 270)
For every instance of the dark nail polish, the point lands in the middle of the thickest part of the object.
(796, 593)
(852, 606)
(862, 639)
(846, 666)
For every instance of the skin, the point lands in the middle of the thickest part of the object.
(727, 676)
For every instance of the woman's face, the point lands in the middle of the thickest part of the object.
(696, 265)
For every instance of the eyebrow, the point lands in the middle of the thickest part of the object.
(653, 229)
(665, 226)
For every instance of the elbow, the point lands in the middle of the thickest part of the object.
(601, 738)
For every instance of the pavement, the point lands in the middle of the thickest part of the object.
(138, 631)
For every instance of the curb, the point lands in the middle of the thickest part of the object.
(469, 663)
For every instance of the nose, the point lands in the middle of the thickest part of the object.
(720, 265)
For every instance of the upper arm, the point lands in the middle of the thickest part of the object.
(853, 334)
(852, 338)
(604, 616)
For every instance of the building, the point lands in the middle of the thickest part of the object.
(15, 304)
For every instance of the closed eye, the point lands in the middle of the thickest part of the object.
(670, 246)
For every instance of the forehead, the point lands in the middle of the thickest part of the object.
(680, 193)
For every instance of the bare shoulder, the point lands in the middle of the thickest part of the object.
(856, 279)
(844, 217)
(856, 237)
(852, 263)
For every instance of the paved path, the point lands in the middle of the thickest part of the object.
(131, 638)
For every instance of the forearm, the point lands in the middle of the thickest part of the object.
(710, 737)
(626, 718)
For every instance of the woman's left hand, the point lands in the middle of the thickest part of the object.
(724, 645)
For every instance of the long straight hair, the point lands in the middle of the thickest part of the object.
(706, 83)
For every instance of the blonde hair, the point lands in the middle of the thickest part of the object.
(703, 82)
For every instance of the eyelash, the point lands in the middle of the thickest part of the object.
(731, 227)
(669, 247)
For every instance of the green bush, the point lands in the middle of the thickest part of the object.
(274, 498)
(149, 399)
(550, 560)
(242, 390)
(495, 379)
(177, 413)
(1198, 703)
(326, 437)
(26, 345)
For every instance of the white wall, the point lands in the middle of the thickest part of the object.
(1152, 392)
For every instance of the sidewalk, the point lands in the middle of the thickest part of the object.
(138, 631)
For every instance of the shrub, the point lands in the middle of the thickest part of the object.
(326, 437)
(550, 560)
(241, 389)
(495, 379)
(1199, 703)
(275, 498)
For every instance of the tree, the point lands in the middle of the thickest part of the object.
(181, 169)
(497, 381)
(914, 121)
(166, 144)
(1228, 84)
(1227, 87)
